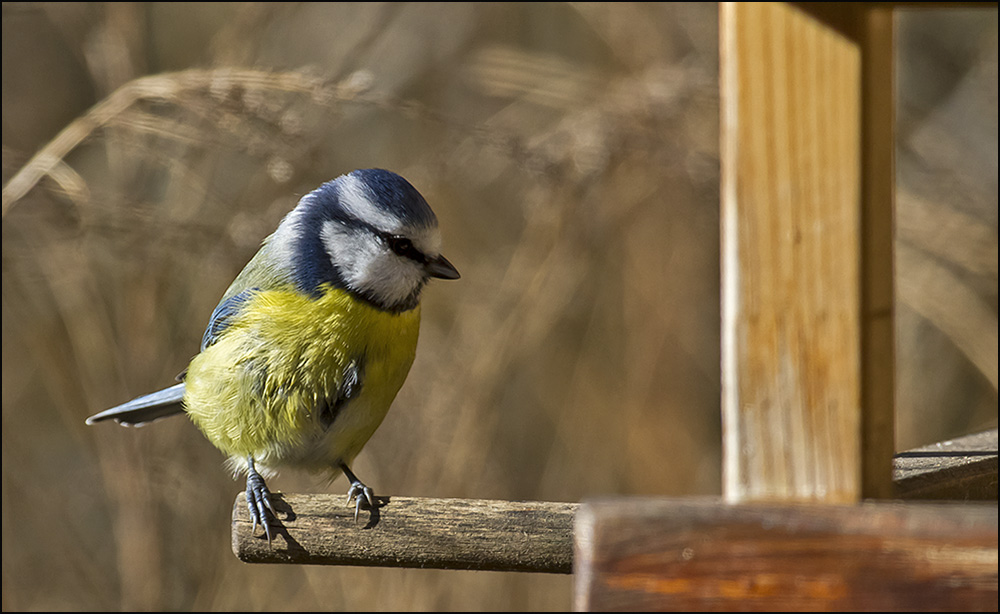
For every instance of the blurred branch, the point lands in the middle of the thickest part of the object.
(72, 184)
(537, 78)
(941, 297)
(169, 87)
(947, 232)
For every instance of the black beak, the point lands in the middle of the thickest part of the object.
(442, 269)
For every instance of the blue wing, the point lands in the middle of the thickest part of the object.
(223, 314)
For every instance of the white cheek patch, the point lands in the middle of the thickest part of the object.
(366, 266)
(348, 250)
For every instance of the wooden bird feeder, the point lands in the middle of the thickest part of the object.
(816, 513)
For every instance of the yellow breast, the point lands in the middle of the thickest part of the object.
(258, 390)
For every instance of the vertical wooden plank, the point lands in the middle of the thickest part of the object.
(878, 181)
(791, 157)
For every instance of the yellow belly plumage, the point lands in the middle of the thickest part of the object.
(258, 390)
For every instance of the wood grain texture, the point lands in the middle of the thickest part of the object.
(468, 533)
(412, 532)
(685, 554)
(791, 195)
(962, 469)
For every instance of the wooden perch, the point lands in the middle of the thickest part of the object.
(525, 536)
(411, 532)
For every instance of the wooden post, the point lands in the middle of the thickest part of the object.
(878, 294)
(792, 329)
(808, 176)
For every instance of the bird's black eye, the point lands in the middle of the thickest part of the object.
(401, 245)
(404, 247)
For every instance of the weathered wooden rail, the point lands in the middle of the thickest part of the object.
(537, 536)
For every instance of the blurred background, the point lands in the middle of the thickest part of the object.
(570, 152)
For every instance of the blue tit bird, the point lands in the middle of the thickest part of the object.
(310, 344)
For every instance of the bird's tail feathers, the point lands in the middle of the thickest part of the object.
(146, 408)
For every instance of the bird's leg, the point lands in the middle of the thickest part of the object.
(259, 500)
(357, 491)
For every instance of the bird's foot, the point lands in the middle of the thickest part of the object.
(360, 493)
(259, 502)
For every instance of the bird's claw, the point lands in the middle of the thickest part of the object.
(259, 504)
(360, 493)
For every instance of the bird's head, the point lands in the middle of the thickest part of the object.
(369, 232)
